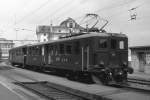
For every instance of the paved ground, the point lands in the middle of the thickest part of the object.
(10, 91)
(10, 74)
(8, 94)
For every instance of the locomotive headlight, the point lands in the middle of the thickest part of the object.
(110, 74)
(120, 73)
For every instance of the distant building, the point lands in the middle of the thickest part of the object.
(46, 33)
(140, 58)
(5, 45)
(23, 42)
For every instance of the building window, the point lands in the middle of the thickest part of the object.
(148, 58)
(59, 30)
(70, 25)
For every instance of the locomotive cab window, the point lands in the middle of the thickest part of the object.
(121, 45)
(113, 44)
(102, 43)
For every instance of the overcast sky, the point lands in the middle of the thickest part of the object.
(27, 14)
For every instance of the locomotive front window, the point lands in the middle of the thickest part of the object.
(102, 43)
(121, 45)
(113, 44)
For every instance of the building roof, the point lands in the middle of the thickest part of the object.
(2, 39)
(71, 20)
(136, 47)
(67, 20)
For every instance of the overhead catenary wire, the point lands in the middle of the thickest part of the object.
(59, 10)
(56, 11)
(34, 11)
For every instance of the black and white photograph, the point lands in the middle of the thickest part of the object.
(74, 50)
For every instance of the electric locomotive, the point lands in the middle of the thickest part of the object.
(100, 56)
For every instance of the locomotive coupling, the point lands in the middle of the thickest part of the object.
(130, 70)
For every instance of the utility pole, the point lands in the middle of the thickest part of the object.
(16, 28)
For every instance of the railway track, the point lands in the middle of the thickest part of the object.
(50, 93)
(138, 84)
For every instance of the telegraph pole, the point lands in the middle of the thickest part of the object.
(16, 28)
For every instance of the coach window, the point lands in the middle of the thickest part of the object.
(113, 44)
(68, 49)
(51, 50)
(103, 43)
(62, 48)
(30, 52)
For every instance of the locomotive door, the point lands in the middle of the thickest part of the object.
(85, 58)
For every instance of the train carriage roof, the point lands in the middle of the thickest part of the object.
(84, 35)
(23, 46)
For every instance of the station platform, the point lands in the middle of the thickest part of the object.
(92, 91)
(140, 76)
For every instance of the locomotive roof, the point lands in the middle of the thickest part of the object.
(84, 35)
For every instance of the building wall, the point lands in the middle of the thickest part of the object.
(46, 33)
(140, 60)
(5, 45)
(134, 61)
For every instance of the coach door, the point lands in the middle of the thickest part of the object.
(24, 56)
(85, 58)
(43, 54)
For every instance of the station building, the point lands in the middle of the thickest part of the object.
(140, 58)
(5, 45)
(50, 32)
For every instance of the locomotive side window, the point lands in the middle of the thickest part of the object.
(121, 45)
(102, 43)
(113, 44)
(77, 47)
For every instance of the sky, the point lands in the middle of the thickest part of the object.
(19, 18)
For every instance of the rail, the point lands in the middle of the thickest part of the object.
(49, 92)
(143, 85)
